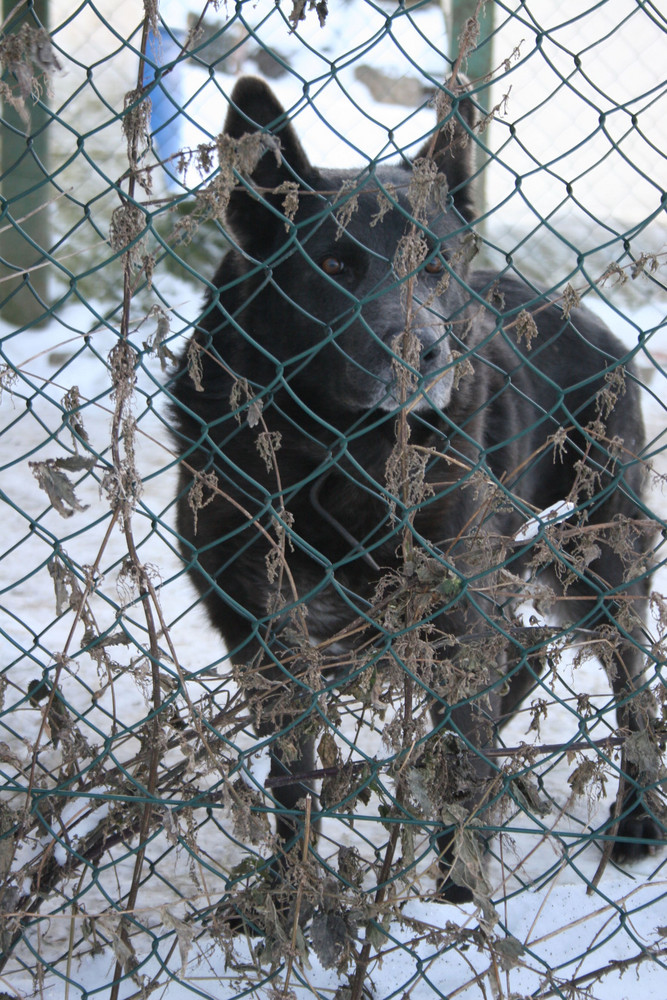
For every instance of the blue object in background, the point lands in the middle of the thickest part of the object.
(166, 126)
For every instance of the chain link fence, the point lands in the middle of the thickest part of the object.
(138, 838)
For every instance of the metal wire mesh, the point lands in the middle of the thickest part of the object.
(137, 826)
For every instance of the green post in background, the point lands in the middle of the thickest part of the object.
(24, 183)
(478, 64)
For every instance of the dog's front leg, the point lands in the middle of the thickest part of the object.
(474, 728)
(641, 763)
(292, 755)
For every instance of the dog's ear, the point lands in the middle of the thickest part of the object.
(254, 108)
(453, 149)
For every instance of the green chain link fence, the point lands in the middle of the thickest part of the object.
(134, 821)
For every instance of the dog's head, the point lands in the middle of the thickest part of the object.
(362, 271)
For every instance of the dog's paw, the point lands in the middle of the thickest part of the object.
(449, 892)
(639, 832)
(461, 878)
(230, 919)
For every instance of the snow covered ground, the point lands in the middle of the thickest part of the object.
(564, 933)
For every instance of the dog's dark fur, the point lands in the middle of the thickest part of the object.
(299, 339)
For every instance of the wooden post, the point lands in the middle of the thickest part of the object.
(24, 188)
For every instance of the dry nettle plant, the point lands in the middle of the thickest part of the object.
(341, 911)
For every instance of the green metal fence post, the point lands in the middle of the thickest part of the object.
(478, 63)
(24, 187)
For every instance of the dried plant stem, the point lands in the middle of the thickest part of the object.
(609, 845)
(617, 965)
(607, 743)
(138, 568)
(56, 676)
(357, 986)
(299, 895)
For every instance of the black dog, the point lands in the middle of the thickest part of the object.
(363, 412)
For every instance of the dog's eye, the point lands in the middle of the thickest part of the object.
(434, 266)
(333, 266)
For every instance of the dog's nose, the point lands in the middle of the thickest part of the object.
(430, 352)
(433, 340)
